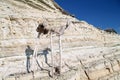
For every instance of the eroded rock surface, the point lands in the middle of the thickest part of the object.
(88, 53)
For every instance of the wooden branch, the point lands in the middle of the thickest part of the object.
(60, 52)
(51, 45)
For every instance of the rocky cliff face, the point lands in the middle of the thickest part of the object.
(88, 53)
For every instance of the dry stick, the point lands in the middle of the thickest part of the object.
(51, 45)
(33, 59)
(60, 52)
(60, 43)
(84, 70)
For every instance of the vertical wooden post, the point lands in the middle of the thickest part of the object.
(34, 57)
(33, 62)
(60, 52)
(51, 45)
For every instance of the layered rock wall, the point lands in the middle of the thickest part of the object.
(88, 53)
